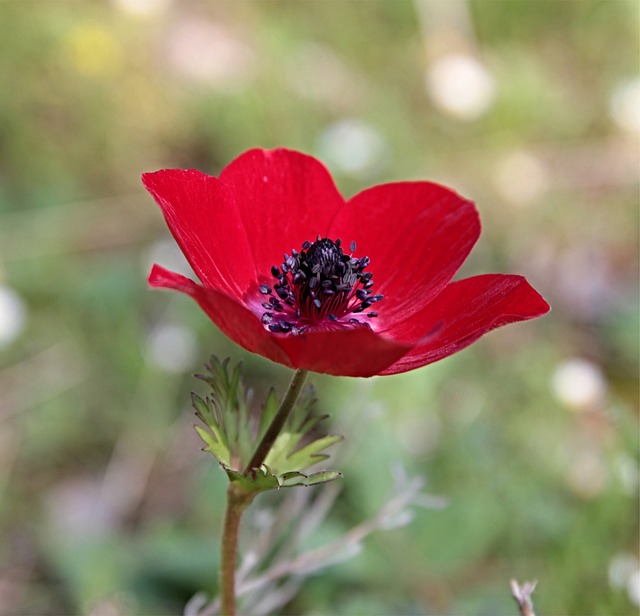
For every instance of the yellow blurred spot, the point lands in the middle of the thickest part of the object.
(93, 51)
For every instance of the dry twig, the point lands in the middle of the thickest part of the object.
(522, 595)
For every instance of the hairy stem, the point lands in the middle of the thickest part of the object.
(238, 500)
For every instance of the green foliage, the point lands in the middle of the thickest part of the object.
(225, 413)
(231, 434)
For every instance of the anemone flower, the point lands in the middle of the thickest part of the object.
(291, 271)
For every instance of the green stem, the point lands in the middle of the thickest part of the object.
(295, 387)
(239, 500)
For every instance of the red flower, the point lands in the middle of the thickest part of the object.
(291, 271)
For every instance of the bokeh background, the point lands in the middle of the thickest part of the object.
(532, 109)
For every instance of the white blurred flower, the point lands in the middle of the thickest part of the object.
(578, 384)
(13, 315)
(521, 178)
(460, 85)
(624, 572)
(353, 146)
(621, 567)
(633, 587)
(209, 54)
(172, 348)
(624, 105)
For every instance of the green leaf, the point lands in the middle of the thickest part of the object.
(280, 451)
(311, 421)
(213, 446)
(262, 479)
(206, 414)
(311, 454)
(293, 479)
(269, 411)
(225, 413)
(230, 434)
(259, 480)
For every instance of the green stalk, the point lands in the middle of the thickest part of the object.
(239, 500)
(295, 387)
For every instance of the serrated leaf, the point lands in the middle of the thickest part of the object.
(213, 446)
(235, 379)
(232, 402)
(226, 412)
(269, 411)
(280, 451)
(199, 404)
(282, 458)
(205, 413)
(260, 480)
(289, 477)
(231, 436)
(311, 453)
(295, 478)
(310, 422)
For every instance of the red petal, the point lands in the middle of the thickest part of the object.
(235, 321)
(284, 198)
(346, 352)
(206, 225)
(417, 234)
(464, 311)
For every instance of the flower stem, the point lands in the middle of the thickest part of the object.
(295, 387)
(238, 500)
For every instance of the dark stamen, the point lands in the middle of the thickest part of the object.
(318, 285)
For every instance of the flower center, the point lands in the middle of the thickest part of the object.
(320, 286)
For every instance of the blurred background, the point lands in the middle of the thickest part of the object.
(532, 109)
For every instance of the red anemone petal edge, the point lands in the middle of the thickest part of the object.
(462, 313)
(350, 352)
(276, 281)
